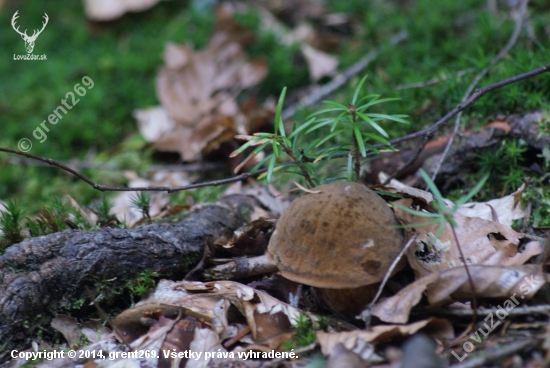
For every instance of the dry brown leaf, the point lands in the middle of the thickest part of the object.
(95, 332)
(340, 357)
(507, 209)
(273, 203)
(513, 282)
(105, 10)
(205, 340)
(266, 316)
(440, 328)
(177, 340)
(69, 328)
(320, 63)
(197, 89)
(482, 242)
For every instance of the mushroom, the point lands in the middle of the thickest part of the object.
(341, 238)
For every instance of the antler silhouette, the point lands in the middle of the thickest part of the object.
(29, 40)
(43, 26)
(15, 16)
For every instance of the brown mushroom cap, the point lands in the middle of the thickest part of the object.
(339, 238)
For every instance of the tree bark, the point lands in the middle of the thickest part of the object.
(45, 274)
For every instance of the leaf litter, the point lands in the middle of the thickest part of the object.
(198, 90)
(229, 317)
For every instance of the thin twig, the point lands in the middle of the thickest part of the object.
(527, 310)
(432, 81)
(340, 79)
(411, 161)
(367, 313)
(464, 104)
(502, 351)
(356, 152)
(105, 188)
(470, 279)
(430, 130)
(511, 42)
(196, 167)
(300, 165)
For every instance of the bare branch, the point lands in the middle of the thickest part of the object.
(511, 42)
(464, 104)
(317, 94)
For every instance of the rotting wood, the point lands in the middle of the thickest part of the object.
(43, 275)
(239, 268)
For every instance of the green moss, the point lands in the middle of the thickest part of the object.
(123, 57)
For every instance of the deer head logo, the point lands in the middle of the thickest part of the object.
(29, 40)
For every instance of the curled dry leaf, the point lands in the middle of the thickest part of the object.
(178, 339)
(340, 357)
(205, 340)
(436, 327)
(250, 240)
(482, 242)
(506, 209)
(513, 282)
(197, 90)
(266, 316)
(152, 341)
(69, 327)
(106, 10)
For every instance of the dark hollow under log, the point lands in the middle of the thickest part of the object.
(42, 275)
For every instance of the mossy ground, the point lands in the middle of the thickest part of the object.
(123, 58)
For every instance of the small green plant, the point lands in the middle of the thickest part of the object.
(353, 121)
(103, 212)
(11, 223)
(143, 283)
(504, 166)
(304, 333)
(142, 201)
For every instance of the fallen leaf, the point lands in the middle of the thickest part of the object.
(482, 242)
(266, 316)
(197, 90)
(177, 340)
(506, 209)
(320, 63)
(205, 340)
(340, 357)
(442, 329)
(273, 204)
(69, 328)
(513, 282)
(126, 211)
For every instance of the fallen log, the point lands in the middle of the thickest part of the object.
(45, 274)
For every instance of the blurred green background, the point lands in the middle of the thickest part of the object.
(123, 58)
